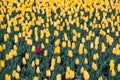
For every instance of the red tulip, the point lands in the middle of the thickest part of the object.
(38, 50)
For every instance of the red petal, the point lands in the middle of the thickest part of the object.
(38, 50)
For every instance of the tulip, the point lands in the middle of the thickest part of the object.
(57, 50)
(58, 77)
(38, 50)
(48, 73)
(86, 75)
(35, 78)
(7, 77)
(70, 53)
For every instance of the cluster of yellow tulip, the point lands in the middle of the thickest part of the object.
(11, 54)
(85, 73)
(112, 66)
(96, 56)
(77, 28)
(70, 74)
(81, 48)
(109, 39)
(116, 50)
(15, 75)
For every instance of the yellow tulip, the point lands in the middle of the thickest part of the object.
(33, 49)
(53, 61)
(67, 76)
(83, 40)
(57, 50)
(35, 78)
(57, 42)
(24, 61)
(29, 42)
(58, 77)
(37, 62)
(47, 34)
(14, 73)
(86, 75)
(8, 30)
(69, 43)
(73, 45)
(74, 32)
(56, 33)
(70, 53)
(81, 48)
(85, 61)
(113, 72)
(18, 68)
(27, 56)
(17, 76)
(52, 67)
(36, 38)
(16, 38)
(48, 73)
(14, 53)
(100, 78)
(44, 79)
(74, 38)
(78, 35)
(68, 28)
(42, 45)
(15, 47)
(67, 68)
(16, 29)
(118, 68)
(95, 56)
(112, 65)
(2, 63)
(103, 47)
(6, 36)
(61, 28)
(19, 35)
(10, 55)
(102, 32)
(7, 57)
(77, 61)
(46, 40)
(37, 70)
(82, 70)
(63, 44)
(85, 51)
(94, 66)
(58, 59)
(116, 33)
(1, 48)
(33, 64)
(45, 52)
(72, 74)
(88, 38)
(96, 47)
(4, 46)
(7, 77)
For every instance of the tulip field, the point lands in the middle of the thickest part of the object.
(59, 39)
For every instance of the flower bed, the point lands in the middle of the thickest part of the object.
(59, 39)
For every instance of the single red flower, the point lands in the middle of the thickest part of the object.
(38, 50)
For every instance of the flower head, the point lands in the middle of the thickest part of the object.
(38, 50)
